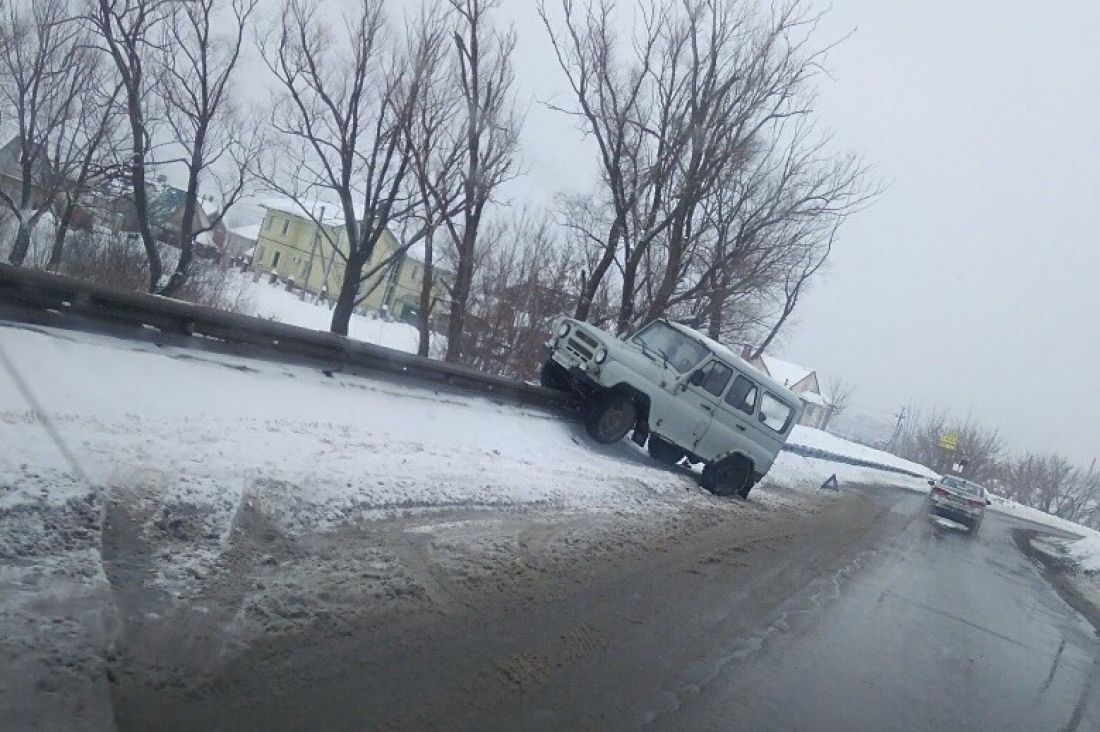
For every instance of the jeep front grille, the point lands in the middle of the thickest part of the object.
(578, 349)
(586, 339)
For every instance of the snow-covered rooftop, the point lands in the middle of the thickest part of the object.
(248, 231)
(328, 211)
(785, 372)
(813, 397)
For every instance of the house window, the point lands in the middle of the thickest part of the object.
(275, 259)
(286, 225)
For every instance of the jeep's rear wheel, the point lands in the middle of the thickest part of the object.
(553, 375)
(663, 451)
(613, 415)
(732, 476)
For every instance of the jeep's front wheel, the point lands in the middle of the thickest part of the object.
(612, 415)
(553, 375)
(731, 476)
(663, 451)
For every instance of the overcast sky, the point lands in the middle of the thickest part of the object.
(973, 283)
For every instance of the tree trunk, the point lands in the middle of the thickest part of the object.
(137, 178)
(349, 290)
(59, 238)
(186, 240)
(460, 294)
(595, 278)
(22, 244)
(424, 342)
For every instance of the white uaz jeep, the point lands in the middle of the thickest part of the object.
(688, 395)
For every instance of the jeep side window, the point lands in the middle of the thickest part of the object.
(742, 395)
(717, 375)
(774, 413)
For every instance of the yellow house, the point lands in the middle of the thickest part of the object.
(294, 247)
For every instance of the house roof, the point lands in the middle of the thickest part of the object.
(10, 156)
(813, 397)
(307, 208)
(784, 372)
(248, 231)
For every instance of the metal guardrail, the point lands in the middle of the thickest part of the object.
(67, 296)
(814, 452)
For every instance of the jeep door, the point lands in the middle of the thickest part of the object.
(747, 419)
(701, 392)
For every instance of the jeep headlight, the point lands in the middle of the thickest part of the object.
(563, 330)
(600, 355)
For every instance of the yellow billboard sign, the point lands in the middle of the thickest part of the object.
(949, 441)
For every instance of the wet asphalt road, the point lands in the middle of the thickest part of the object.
(937, 631)
(860, 616)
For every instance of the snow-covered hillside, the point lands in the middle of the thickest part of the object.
(275, 303)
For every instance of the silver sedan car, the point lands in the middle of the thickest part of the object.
(959, 500)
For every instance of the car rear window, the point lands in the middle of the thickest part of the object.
(775, 413)
(962, 485)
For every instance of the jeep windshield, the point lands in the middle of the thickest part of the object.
(662, 341)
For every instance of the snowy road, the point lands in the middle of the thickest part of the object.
(247, 544)
(862, 616)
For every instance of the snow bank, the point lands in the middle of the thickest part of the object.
(275, 303)
(796, 471)
(1086, 552)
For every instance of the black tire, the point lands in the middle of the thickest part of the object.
(553, 375)
(732, 476)
(612, 415)
(663, 451)
(753, 480)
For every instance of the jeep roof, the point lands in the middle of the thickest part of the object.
(728, 355)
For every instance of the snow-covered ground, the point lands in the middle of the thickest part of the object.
(186, 476)
(275, 303)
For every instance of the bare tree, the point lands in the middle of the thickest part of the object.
(717, 192)
(45, 65)
(979, 446)
(87, 153)
(523, 283)
(346, 106)
(127, 31)
(838, 392)
(434, 148)
(198, 53)
(490, 129)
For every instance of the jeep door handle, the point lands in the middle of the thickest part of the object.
(741, 427)
(707, 407)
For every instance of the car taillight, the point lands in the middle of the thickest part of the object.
(939, 491)
(976, 504)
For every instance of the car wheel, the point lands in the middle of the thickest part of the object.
(553, 375)
(728, 477)
(663, 451)
(753, 480)
(612, 416)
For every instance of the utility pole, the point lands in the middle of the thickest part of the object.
(313, 252)
(897, 429)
